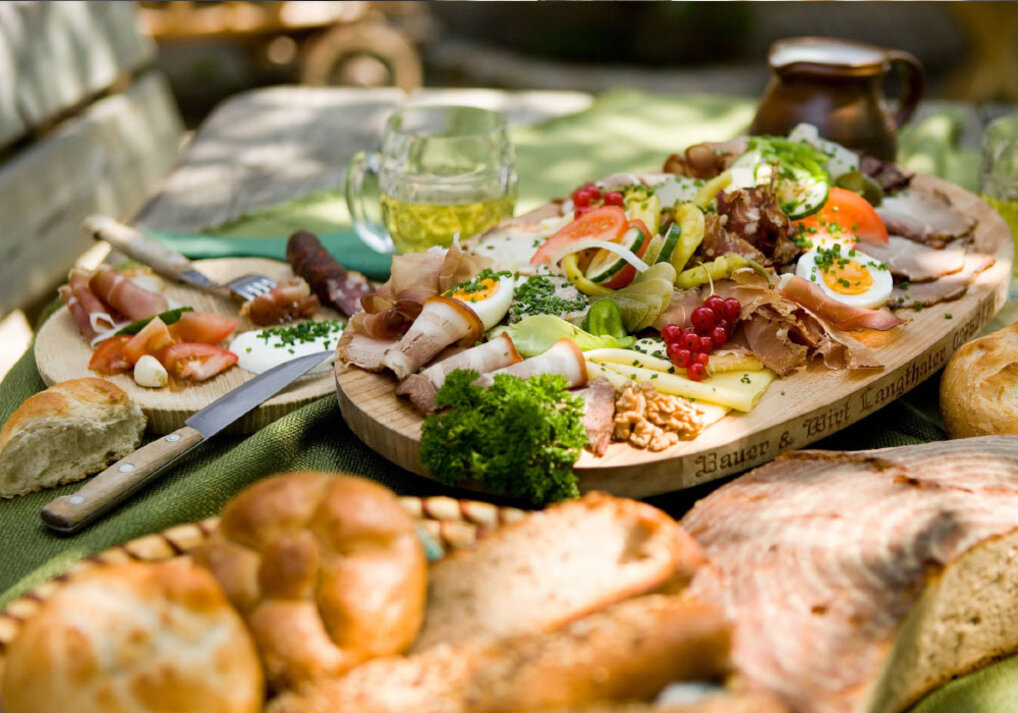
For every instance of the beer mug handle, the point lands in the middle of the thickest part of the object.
(362, 171)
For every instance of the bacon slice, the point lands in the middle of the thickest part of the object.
(947, 288)
(916, 262)
(820, 558)
(289, 300)
(443, 321)
(839, 314)
(924, 216)
(422, 388)
(125, 296)
(563, 357)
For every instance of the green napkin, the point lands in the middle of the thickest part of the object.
(622, 131)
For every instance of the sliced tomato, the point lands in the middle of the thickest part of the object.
(203, 327)
(625, 275)
(108, 357)
(845, 216)
(606, 223)
(196, 361)
(152, 339)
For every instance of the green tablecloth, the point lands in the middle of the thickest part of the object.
(621, 131)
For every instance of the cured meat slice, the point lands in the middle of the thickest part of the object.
(924, 216)
(598, 414)
(916, 262)
(125, 296)
(422, 388)
(859, 581)
(442, 322)
(332, 283)
(947, 288)
(563, 357)
(680, 309)
(708, 159)
(361, 350)
(839, 314)
(291, 299)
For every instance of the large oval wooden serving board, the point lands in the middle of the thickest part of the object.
(794, 412)
(61, 354)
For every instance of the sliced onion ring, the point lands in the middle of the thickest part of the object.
(589, 243)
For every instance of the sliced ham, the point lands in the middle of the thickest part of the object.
(290, 300)
(443, 321)
(680, 309)
(598, 414)
(422, 388)
(78, 312)
(924, 216)
(839, 314)
(859, 581)
(384, 319)
(125, 296)
(563, 357)
(916, 262)
(85, 306)
(363, 351)
(944, 289)
(767, 335)
(718, 241)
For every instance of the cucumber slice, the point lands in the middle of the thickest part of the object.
(653, 250)
(802, 194)
(670, 241)
(606, 263)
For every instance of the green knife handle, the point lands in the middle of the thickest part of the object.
(70, 512)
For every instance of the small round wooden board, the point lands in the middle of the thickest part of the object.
(795, 411)
(61, 353)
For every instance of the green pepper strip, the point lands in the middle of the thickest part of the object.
(604, 318)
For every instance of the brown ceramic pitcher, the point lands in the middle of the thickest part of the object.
(836, 85)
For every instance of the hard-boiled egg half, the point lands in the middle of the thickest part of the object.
(847, 275)
(488, 294)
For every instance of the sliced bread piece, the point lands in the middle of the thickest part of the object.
(70, 430)
(552, 567)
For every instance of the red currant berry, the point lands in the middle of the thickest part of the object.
(703, 319)
(671, 333)
(716, 305)
(697, 372)
(719, 335)
(731, 309)
(702, 358)
(613, 198)
(581, 198)
(706, 345)
(689, 340)
(729, 327)
(681, 357)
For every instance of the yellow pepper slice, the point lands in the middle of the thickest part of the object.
(705, 196)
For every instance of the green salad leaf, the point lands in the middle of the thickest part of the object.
(518, 438)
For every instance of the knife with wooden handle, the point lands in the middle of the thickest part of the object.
(69, 513)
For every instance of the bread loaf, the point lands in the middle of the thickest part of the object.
(135, 637)
(553, 566)
(70, 430)
(857, 582)
(979, 388)
(629, 651)
(327, 570)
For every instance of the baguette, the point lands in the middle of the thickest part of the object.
(65, 433)
(554, 566)
(629, 651)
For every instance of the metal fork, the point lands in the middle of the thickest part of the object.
(169, 263)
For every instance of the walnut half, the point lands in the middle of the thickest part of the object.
(646, 418)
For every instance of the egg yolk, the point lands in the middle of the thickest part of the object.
(847, 278)
(477, 292)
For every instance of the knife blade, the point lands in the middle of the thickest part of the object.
(69, 513)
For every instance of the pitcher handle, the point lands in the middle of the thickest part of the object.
(363, 168)
(915, 80)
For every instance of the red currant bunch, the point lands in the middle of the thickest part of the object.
(712, 325)
(588, 197)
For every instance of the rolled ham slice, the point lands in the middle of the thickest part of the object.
(443, 321)
(422, 388)
(125, 296)
(916, 262)
(564, 358)
(837, 313)
(85, 307)
(78, 312)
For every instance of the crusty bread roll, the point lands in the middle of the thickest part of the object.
(144, 638)
(979, 388)
(327, 570)
(721, 702)
(553, 566)
(629, 651)
(70, 430)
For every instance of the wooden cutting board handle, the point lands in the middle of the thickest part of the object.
(68, 513)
